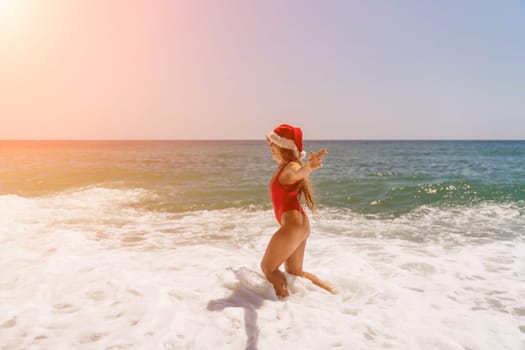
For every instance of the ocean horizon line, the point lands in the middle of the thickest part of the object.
(261, 140)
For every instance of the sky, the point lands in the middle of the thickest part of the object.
(235, 69)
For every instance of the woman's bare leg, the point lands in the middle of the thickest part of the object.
(315, 280)
(294, 266)
(278, 281)
(282, 245)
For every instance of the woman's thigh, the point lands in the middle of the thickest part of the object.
(287, 241)
(294, 264)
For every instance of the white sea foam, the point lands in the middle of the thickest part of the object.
(88, 270)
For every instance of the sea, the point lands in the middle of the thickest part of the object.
(157, 245)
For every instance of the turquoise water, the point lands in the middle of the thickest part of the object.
(385, 178)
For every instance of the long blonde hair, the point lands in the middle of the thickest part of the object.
(304, 185)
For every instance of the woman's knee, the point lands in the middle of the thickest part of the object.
(294, 271)
(266, 268)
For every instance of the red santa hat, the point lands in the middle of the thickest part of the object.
(289, 137)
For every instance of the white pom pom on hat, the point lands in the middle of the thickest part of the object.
(289, 137)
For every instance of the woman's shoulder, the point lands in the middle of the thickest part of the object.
(287, 171)
(292, 165)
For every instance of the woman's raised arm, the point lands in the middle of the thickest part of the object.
(295, 172)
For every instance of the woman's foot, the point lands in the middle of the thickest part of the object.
(315, 280)
(278, 281)
(282, 293)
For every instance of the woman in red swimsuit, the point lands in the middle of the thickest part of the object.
(287, 185)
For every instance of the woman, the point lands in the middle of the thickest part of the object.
(289, 182)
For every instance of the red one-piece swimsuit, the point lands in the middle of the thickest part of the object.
(284, 197)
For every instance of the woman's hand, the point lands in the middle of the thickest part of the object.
(315, 160)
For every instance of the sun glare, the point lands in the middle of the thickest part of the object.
(5, 5)
(7, 11)
(13, 18)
